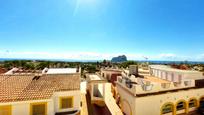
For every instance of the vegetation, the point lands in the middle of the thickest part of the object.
(18, 63)
(89, 68)
(39, 64)
(86, 67)
(127, 63)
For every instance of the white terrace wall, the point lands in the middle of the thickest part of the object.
(151, 105)
(75, 94)
(23, 107)
(127, 101)
(107, 74)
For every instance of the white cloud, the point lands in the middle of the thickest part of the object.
(167, 56)
(49, 55)
(200, 57)
(67, 55)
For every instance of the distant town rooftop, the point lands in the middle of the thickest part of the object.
(111, 70)
(15, 71)
(94, 78)
(60, 70)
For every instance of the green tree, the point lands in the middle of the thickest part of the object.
(91, 69)
(127, 63)
(43, 65)
(29, 66)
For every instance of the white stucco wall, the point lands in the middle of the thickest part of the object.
(75, 94)
(23, 107)
(151, 105)
(154, 103)
(107, 74)
(127, 97)
(184, 75)
(194, 76)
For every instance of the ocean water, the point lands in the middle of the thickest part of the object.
(70, 60)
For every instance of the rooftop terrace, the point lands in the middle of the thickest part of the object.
(168, 68)
(147, 84)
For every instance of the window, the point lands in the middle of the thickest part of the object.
(5, 110)
(187, 83)
(161, 74)
(66, 102)
(202, 102)
(108, 77)
(192, 103)
(168, 108)
(180, 106)
(165, 85)
(38, 109)
(179, 78)
(166, 77)
(172, 77)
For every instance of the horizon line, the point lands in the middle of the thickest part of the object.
(91, 60)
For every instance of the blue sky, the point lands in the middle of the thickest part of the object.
(100, 29)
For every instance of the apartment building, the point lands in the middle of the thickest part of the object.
(178, 92)
(172, 74)
(40, 94)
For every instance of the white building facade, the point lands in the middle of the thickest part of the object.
(49, 94)
(153, 95)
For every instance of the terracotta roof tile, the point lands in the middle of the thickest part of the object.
(23, 87)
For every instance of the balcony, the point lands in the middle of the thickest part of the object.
(142, 86)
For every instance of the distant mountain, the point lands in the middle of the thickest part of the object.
(119, 59)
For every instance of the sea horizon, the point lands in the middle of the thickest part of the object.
(80, 60)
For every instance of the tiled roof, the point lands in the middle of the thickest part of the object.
(23, 87)
(2, 78)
